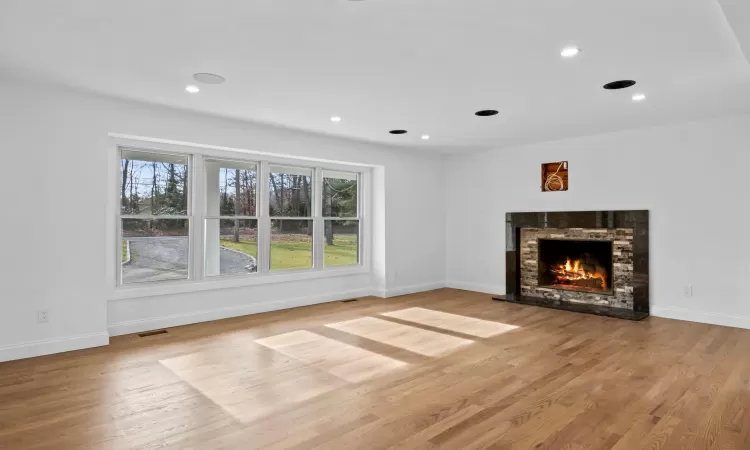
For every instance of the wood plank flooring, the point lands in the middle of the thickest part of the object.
(444, 369)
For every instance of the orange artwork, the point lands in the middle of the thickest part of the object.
(555, 176)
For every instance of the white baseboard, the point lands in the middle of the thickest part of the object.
(475, 287)
(175, 320)
(726, 320)
(50, 346)
(406, 290)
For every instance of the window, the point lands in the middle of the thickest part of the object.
(231, 225)
(341, 218)
(253, 218)
(290, 207)
(154, 218)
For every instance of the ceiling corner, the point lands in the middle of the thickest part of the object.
(737, 14)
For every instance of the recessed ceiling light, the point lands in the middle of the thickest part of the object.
(398, 131)
(639, 97)
(619, 84)
(486, 113)
(336, 119)
(208, 78)
(192, 89)
(569, 52)
(425, 137)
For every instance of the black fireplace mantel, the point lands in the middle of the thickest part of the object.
(636, 220)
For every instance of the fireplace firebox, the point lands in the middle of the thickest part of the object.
(579, 265)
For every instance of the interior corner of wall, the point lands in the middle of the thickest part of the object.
(378, 230)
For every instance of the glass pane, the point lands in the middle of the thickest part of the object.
(339, 194)
(154, 250)
(231, 188)
(342, 242)
(291, 244)
(153, 184)
(290, 190)
(231, 247)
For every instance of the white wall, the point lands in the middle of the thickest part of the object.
(53, 177)
(694, 178)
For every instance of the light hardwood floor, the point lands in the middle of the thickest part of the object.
(443, 369)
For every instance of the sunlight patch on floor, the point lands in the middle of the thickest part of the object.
(345, 361)
(452, 322)
(251, 381)
(417, 340)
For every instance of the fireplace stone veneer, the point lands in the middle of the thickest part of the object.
(622, 256)
(629, 234)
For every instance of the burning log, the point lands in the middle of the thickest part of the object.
(589, 283)
(587, 274)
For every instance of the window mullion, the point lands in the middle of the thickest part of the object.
(362, 223)
(318, 223)
(196, 212)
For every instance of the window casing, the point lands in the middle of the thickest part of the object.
(279, 221)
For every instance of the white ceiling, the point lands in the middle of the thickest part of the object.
(421, 65)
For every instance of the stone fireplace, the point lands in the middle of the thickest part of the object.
(589, 261)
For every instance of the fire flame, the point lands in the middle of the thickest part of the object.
(572, 271)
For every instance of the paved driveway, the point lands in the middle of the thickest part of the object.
(166, 258)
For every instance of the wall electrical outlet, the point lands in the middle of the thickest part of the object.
(689, 290)
(42, 316)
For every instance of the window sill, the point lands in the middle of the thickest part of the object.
(187, 286)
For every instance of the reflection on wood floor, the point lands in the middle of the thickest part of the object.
(443, 369)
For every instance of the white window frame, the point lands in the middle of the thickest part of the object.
(197, 215)
(189, 217)
(267, 218)
(323, 218)
(205, 216)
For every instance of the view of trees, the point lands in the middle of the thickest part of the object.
(339, 200)
(160, 188)
(291, 195)
(237, 188)
(153, 188)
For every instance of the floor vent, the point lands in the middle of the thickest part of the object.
(152, 333)
(349, 301)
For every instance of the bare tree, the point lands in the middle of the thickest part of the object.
(153, 188)
(278, 192)
(295, 194)
(248, 198)
(307, 199)
(132, 167)
(327, 212)
(123, 198)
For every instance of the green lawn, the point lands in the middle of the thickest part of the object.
(124, 251)
(297, 254)
(343, 252)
